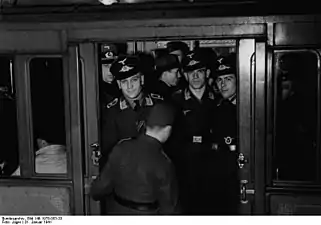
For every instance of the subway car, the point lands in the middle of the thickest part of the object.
(50, 91)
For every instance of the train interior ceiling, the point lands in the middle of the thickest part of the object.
(51, 94)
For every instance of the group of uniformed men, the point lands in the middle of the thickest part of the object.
(172, 151)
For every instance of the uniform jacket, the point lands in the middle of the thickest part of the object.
(196, 117)
(225, 136)
(109, 92)
(138, 170)
(164, 90)
(121, 121)
(226, 123)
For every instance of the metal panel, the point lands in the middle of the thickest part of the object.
(91, 107)
(32, 41)
(245, 83)
(75, 132)
(163, 31)
(259, 126)
(296, 204)
(297, 33)
(34, 201)
(24, 119)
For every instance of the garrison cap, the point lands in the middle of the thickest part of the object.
(109, 53)
(125, 67)
(166, 62)
(161, 114)
(225, 65)
(195, 60)
(177, 45)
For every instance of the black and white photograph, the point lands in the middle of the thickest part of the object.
(184, 109)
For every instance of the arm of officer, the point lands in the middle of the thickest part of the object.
(103, 184)
(168, 192)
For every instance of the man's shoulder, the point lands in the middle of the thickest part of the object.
(178, 95)
(112, 108)
(125, 141)
(121, 147)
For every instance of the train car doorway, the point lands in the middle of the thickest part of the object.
(250, 62)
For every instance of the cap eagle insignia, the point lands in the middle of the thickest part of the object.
(190, 55)
(124, 68)
(122, 61)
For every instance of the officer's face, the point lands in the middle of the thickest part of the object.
(131, 86)
(173, 76)
(107, 75)
(197, 78)
(226, 85)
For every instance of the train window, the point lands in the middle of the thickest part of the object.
(295, 144)
(9, 154)
(48, 115)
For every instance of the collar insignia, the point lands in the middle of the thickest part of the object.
(112, 103)
(123, 104)
(148, 101)
(156, 96)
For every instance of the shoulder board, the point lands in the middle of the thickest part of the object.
(124, 139)
(112, 103)
(156, 96)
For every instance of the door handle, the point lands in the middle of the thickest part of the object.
(96, 153)
(244, 191)
(87, 184)
(241, 160)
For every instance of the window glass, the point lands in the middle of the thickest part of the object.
(48, 115)
(295, 155)
(9, 156)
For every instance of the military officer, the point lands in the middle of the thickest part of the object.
(109, 87)
(226, 84)
(139, 175)
(124, 117)
(196, 104)
(226, 135)
(180, 49)
(168, 73)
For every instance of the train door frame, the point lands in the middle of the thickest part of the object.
(253, 36)
(24, 45)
